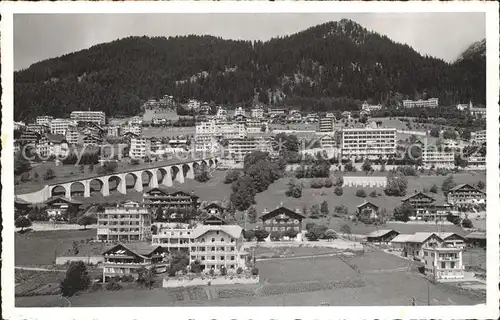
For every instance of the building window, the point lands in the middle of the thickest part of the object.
(268, 228)
(213, 248)
(202, 258)
(232, 257)
(213, 257)
(221, 239)
(453, 265)
(217, 232)
(213, 239)
(443, 265)
(222, 258)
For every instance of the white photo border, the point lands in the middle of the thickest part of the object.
(482, 311)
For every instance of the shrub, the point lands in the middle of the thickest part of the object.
(239, 270)
(467, 223)
(113, 285)
(361, 193)
(328, 183)
(96, 287)
(338, 191)
(373, 194)
(317, 184)
(128, 278)
(255, 271)
(223, 271)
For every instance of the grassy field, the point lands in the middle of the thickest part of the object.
(303, 281)
(41, 247)
(268, 252)
(168, 132)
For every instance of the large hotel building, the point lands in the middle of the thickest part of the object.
(368, 142)
(213, 246)
(430, 103)
(89, 116)
(128, 222)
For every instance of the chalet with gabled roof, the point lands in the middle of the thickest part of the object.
(214, 209)
(175, 205)
(281, 219)
(465, 194)
(371, 207)
(420, 202)
(125, 259)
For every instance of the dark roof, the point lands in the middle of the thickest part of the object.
(279, 210)
(56, 138)
(417, 194)
(367, 203)
(63, 199)
(460, 186)
(142, 249)
(214, 218)
(381, 233)
(214, 204)
(476, 235)
(171, 191)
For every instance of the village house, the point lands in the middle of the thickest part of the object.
(175, 205)
(282, 219)
(420, 240)
(465, 194)
(443, 263)
(421, 204)
(52, 145)
(214, 209)
(58, 207)
(368, 208)
(125, 259)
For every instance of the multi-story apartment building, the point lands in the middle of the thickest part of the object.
(114, 131)
(477, 112)
(213, 246)
(239, 111)
(125, 259)
(98, 117)
(464, 194)
(256, 125)
(175, 205)
(206, 143)
(281, 219)
(73, 135)
(257, 112)
(478, 137)
(312, 117)
(91, 140)
(272, 112)
(239, 148)
(368, 142)
(38, 128)
(346, 115)
(44, 120)
(52, 145)
(326, 124)
(416, 244)
(136, 121)
(429, 103)
(60, 126)
(28, 136)
(139, 148)
(222, 129)
(129, 221)
(137, 130)
(438, 158)
(443, 262)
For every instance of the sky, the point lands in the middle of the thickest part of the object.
(42, 36)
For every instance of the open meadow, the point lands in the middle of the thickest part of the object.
(381, 279)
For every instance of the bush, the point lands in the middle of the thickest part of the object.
(113, 285)
(373, 194)
(467, 223)
(338, 191)
(223, 271)
(96, 287)
(328, 183)
(128, 278)
(239, 270)
(231, 176)
(361, 193)
(317, 184)
(255, 271)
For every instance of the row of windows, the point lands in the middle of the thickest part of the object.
(280, 228)
(275, 221)
(221, 258)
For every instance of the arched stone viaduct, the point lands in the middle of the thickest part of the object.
(164, 175)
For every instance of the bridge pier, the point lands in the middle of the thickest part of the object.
(122, 186)
(167, 178)
(190, 173)
(153, 182)
(86, 189)
(138, 181)
(105, 188)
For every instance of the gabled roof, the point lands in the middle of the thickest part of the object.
(142, 249)
(417, 194)
(232, 230)
(286, 211)
(214, 204)
(380, 233)
(421, 237)
(55, 138)
(460, 186)
(63, 199)
(367, 203)
(214, 218)
(168, 191)
(476, 235)
(446, 235)
(402, 238)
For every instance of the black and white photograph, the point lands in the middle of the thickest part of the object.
(234, 159)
